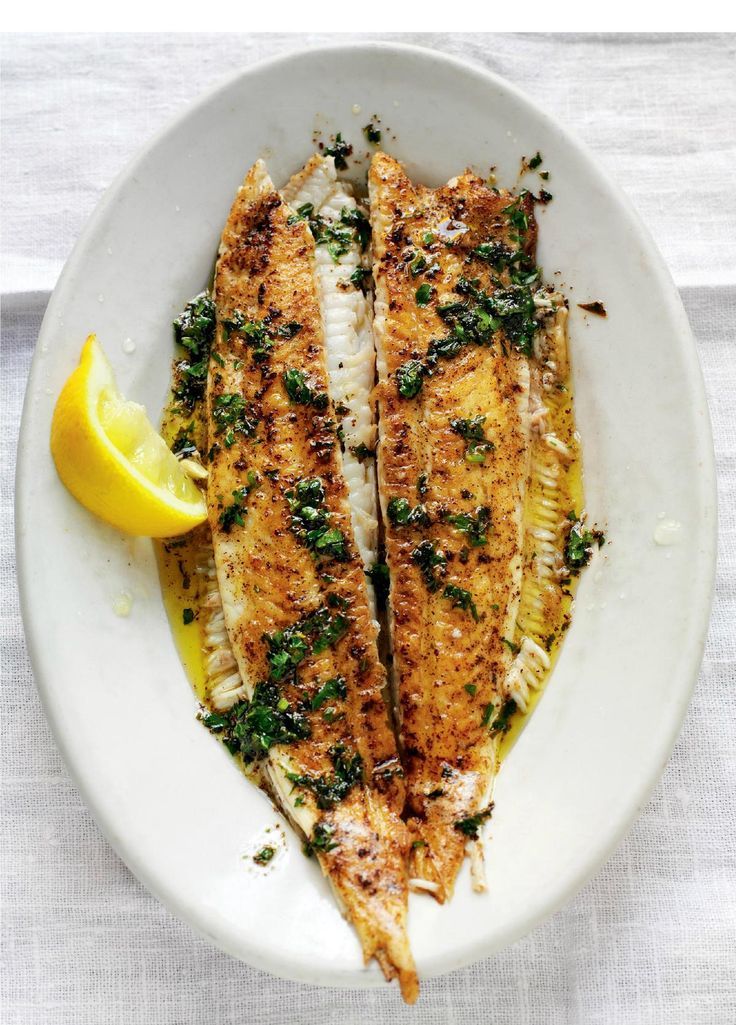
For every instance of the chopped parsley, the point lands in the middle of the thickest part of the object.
(470, 826)
(265, 855)
(312, 634)
(422, 485)
(251, 728)
(322, 840)
(401, 514)
(513, 648)
(535, 161)
(332, 689)
(417, 264)
(500, 721)
(233, 514)
(423, 294)
(358, 277)
(379, 577)
(330, 790)
(340, 150)
(476, 527)
(372, 133)
(187, 616)
(461, 599)
(471, 688)
(232, 415)
(338, 235)
(472, 431)
(432, 563)
(362, 452)
(295, 383)
(310, 521)
(579, 544)
(409, 378)
(194, 329)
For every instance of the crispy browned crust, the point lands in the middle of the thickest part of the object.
(439, 650)
(268, 581)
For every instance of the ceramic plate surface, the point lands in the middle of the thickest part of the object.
(167, 796)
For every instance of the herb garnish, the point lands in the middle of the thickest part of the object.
(232, 415)
(265, 854)
(187, 616)
(500, 721)
(472, 431)
(358, 277)
(535, 161)
(372, 133)
(330, 790)
(295, 383)
(337, 235)
(194, 329)
(233, 514)
(321, 840)
(579, 544)
(339, 150)
(362, 452)
(461, 599)
(471, 825)
(379, 577)
(475, 527)
(250, 728)
(409, 378)
(334, 688)
(313, 634)
(310, 521)
(424, 294)
(401, 514)
(432, 562)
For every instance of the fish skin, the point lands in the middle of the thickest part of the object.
(449, 755)
(268, 581)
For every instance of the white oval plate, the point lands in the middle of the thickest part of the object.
(167, 796)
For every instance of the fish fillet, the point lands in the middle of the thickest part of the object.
(454, 339)
(291, 576)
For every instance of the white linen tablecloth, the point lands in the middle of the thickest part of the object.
(652, 939)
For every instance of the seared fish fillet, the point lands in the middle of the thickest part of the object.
(455, 338)
(290, 575)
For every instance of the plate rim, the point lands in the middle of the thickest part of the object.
(707, 489)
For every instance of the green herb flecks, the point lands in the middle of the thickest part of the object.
(194, 329)
(312, 634)
(338, 235)
(401, 514)
(423, 294)
(372, 133)
(187, 616)
(234, 514)
(472, 431)
(310, 521)
(471, 825)
(340, 150)
(362, 452)
(499, 720)
(580, 543)
(329, 691)
(461, 599)
(432, 563)
(409, 378)
(300, 392)
(379, 577)
(475, 526)
(232, 415)
(322, 839)
(265, 855)
(329, 790)
(359, 278)
(251, 728)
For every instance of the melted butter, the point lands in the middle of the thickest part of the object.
(181, 587)
(558, 606)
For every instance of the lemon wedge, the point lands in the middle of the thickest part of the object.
(112, 459)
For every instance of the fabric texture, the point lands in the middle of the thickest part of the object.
(652, 939)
